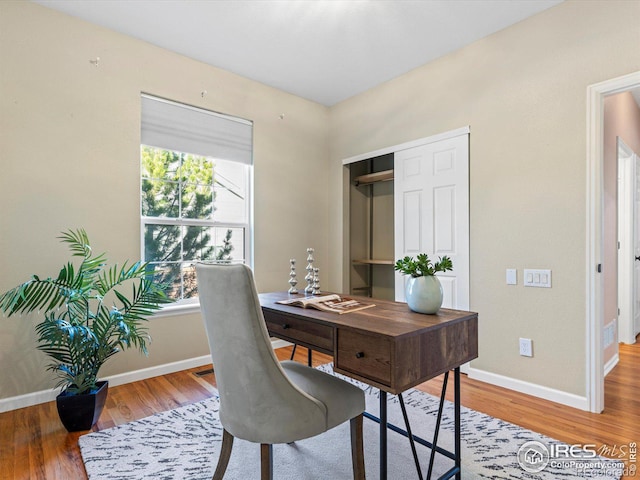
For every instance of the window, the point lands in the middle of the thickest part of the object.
(195, 197)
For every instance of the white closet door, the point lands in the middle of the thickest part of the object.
(431, 212)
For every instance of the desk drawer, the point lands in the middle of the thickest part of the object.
(364, 354)
(306, 332)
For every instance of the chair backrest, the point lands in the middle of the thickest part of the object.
(257, 401)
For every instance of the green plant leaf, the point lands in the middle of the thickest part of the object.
(422, 265)
(78, 332)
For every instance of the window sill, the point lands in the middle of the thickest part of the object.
(175, 309)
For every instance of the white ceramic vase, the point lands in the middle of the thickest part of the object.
(424, 294)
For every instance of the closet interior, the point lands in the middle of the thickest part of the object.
(371, 228)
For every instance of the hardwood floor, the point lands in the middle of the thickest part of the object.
(35, 445)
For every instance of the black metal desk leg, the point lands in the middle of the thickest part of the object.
(309, 354)
(410, 435)
(436, 431)
(456, 406)
(383, 435)
(383, 422)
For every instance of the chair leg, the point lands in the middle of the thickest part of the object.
(225, 453)
(357, 450)
(266, 461)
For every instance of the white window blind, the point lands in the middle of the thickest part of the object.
(195, 192)
(174, 126)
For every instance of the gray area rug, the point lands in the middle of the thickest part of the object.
(183, 444)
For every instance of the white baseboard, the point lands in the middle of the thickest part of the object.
(279, 343)
(540, 391)
(136, 375)
(27, 400)
(43, 396)
(610, 364)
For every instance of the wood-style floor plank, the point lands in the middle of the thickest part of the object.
(35, 445)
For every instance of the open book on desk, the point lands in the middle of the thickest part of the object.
(328, 303)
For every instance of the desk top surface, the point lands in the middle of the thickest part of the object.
(386, 318)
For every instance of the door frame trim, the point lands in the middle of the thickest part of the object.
(594, 370)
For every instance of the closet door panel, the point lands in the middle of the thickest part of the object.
(412, 222)
(444, 220)
(450, 291)
(438, 174)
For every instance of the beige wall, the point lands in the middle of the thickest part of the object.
(70, 158)
(69, 137)
(523, 93)
(621, 119)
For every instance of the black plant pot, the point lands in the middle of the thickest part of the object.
(81, 412)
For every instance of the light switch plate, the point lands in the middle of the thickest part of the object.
(512, 276)
(537, 278)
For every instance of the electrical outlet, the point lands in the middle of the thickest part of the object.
(526, 347)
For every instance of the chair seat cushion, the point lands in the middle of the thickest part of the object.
(342, 399)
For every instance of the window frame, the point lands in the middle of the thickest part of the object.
(192, 305)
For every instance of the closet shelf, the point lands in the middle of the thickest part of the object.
(365, 261)
(383, 176)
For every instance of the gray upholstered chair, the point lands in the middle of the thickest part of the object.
(262, 400)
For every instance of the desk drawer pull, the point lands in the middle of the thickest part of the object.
(359, 354)
(286, 326)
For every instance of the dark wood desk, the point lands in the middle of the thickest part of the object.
(386, 346)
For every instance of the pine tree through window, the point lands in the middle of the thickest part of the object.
(194, 207)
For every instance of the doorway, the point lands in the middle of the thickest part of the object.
(595, 230)
(628, 244)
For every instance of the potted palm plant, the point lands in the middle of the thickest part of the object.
(423, 290)
(87, 320)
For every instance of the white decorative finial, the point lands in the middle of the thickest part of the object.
(309, 269)
(292, 276)
(316, 282)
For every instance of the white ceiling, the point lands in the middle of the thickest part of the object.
(322, 50)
